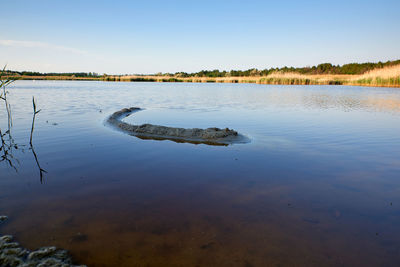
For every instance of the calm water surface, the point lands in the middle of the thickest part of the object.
(318, 185)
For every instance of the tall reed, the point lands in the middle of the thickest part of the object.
(7, 143)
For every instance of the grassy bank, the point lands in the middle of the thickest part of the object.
(381, 77)
(388, 76)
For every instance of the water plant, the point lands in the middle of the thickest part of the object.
(8, 144)
(3, 96)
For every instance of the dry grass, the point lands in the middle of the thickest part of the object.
(389, 76)
(320, 77)
(384, 73)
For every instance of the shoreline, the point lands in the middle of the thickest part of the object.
(346, 80)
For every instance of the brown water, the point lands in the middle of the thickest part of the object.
(317, 186)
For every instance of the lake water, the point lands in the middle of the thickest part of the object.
(318, 185)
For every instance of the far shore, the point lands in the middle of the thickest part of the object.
(380, 77)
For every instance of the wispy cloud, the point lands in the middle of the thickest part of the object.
(34, 44)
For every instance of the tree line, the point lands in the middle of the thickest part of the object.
(325, 68)
(68, 74)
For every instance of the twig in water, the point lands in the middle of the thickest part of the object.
(35, 112)
(33, 120)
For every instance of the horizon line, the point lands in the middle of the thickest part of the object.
(396, 61)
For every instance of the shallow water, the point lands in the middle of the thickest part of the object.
(318, 185)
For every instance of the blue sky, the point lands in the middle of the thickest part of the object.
(169, 36)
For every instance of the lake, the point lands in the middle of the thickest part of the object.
(318, 184)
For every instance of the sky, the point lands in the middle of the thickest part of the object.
(128, 37)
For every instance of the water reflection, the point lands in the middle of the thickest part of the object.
(318, 186)
(177, 140)
(6, 148)
(386, 102)
(41, 170)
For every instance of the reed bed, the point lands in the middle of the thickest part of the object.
(382, 77)
(388, 76)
